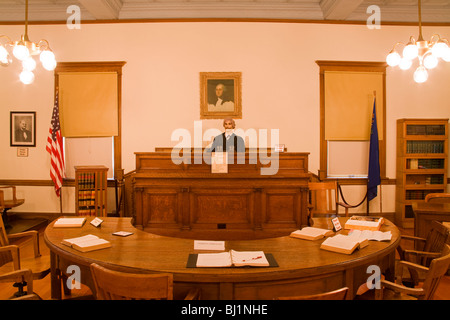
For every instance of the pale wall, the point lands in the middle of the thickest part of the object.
(280, 87)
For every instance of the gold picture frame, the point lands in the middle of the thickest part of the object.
(220, 95)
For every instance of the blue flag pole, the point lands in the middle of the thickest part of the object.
(374, 178)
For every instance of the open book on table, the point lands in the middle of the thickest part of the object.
(311, 233)
(343, 244)
(87, 243)
(69, 222)
(232, 258)
(364, 223)
(370, 235)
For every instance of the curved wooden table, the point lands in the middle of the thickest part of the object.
(303, 266)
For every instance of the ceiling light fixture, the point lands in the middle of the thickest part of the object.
(428, 53)
(24, 50)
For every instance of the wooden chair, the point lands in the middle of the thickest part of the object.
(324, 199)
(438, 197)
(21, 276)
(395, 291)
(116, 285)
(431, 247)
(10, 259)
(7, 204)
(339, 294)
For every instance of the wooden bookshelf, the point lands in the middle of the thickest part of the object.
(91, 191)
(422, 160)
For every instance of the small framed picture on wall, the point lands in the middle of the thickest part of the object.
(23, 128)
(220, 95)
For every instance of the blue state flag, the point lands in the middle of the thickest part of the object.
(374, 178)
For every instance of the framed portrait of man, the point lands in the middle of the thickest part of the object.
(220, 95)
(23, 128)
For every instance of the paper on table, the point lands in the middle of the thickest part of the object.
(370, 235)
(209, 245)
(222, 259)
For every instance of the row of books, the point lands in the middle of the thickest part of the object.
(425, 164)
(86, 211)
(86, 197)
(424, 146)
(417, 194)
(420, 129)
(421, 179)
(86, 180)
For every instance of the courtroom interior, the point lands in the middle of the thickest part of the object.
(213, 150)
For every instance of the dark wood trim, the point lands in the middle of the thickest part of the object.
(44, 183)
(101, 66)
(259, 20)
(71, 182)
(366, 66)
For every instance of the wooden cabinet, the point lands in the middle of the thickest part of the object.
(91, 190)
(422, 160)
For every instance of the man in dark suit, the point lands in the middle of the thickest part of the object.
(22, 134)
(228, 141)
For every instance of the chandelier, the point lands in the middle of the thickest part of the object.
(427, 52)
(24, 50)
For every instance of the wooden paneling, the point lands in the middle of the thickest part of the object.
(187, 200)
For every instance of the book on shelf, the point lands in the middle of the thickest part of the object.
(69, 222)
(370, 235)
(311, 233)
(343, 244)
(87, 243)
(232, 258)
(364, 223)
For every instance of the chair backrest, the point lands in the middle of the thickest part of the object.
(438, 268)
(4, 241)
(442, 197)
(116, 285)
(339, 294)
(436, 239)
(323, 197)
(3, 235)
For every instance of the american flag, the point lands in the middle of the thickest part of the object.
(55, 148)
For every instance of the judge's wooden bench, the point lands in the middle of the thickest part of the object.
(187, 200)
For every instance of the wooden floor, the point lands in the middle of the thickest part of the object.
(42, 287)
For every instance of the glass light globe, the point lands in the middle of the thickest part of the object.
(439, 49)
(21, 52)
(446, 55)
(405, 64)
(420, 75)
(49, 65)
(26, 77)
(430, 61)
(29, 64)
(47, 56)
(393, 59)
(410, 51)
(6, 62)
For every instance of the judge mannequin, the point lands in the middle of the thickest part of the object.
(228, 141)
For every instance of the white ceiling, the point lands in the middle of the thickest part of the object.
(350, 10)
